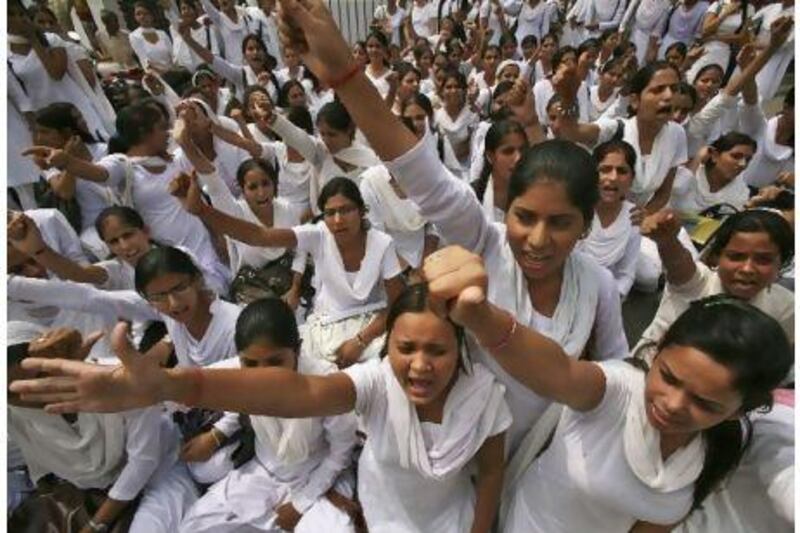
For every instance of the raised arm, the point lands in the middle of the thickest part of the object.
(46, 157)
(185, 31)
(53, 58)
(458, 277)
(663, 228)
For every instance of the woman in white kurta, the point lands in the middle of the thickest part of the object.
(152, 46)
(614, 239)
(44, 74)
(126, 455)
(455, 119)
(59, 126)
(297, 461)
(234, 24)
(714, 176)
(377, 69)
(201, 30)
(434, 421)
(647, 20)
(770, 78)
(775, 138)
(749, 250)
(358, 275)
(253, 69)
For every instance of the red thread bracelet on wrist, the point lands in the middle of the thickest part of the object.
(349, 75)
(506, 338)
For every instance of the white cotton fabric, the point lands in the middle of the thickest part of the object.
(433, 492)
(584, 481)
(156, 55)
(648, 18)
(615, 247)
(684, 25)
(717, 52)
(771, 158)
(339, 297)
(398, 217)
(759, 495)
(668, 151)
(217, 342)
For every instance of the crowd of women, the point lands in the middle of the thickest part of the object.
(262, 279)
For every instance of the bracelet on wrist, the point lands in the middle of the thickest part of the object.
(349, 74)
(217, 440)
(360, 341)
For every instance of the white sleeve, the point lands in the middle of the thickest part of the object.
(633, 6)
(81, 297)
(229, 71)
(309, 239)
(138, 48)
(220, 194)
(300, 140)
(609, 331)
(390, 266)
(752, 121)
(368, 381)
(680, 150)
(442, 198)
(228, 424)
(212, 12)
(142, 450)
(608, 128)
(615, 19)
(340, 432)
(116, 165)
(702, 122)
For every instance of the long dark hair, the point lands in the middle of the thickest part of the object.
(497, 132)
(753, 345)
(268, 319)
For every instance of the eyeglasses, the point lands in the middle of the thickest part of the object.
(178, 290)
(341, 211)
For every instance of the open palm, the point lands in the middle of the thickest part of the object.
(73, 386)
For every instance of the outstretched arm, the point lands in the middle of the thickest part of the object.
(140, 382)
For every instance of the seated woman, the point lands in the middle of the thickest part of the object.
(123, 465)
(358, 275)
(291, 483)
(748, 250)
(713, 177)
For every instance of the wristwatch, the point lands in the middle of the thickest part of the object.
(99, 527)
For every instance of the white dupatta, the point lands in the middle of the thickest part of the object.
(642, 445)
(735, 192)
(772, 149)
(399, 214)
(475, 409)
(289, 438)
(650, 176)
(89, 453)
(607, 245)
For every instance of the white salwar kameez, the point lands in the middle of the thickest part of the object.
(717, 52)
(589, 303)
(770, 77)
(157, 55)
(414, 476)
(648, 19)
(297, 464)
(592, 479)
(770, 158)
(346, 301)
(683, 25)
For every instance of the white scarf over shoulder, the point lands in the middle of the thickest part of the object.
(650, 176)
(241, 20)
(457, 129)
(289, 438)
(475, 409)
(607, 245)
(89, 453)
(574, 316)
(642, 444)
(734, 193)
(399, 214)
